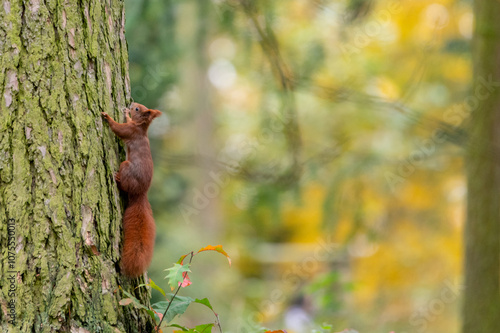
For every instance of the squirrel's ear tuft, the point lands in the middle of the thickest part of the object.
(155, 113)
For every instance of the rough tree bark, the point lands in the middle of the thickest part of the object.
(61, 64)
(482, 233)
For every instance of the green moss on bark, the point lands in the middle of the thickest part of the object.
(59, 70)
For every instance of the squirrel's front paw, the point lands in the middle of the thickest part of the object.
(105, 116)
(126, 112)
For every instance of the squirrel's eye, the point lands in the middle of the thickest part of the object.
(136, 109)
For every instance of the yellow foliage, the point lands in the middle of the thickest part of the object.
(387, 88)
(457, 70)
(419, 195)
(305, 220)
(411, 258)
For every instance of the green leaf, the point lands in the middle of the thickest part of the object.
(178, 307)
(154, 286)
(185, 329)
(205, 328)
(175, 274)
(153, 315)
(205, 302)
(181, 259)
(160, 306)
(326, 326)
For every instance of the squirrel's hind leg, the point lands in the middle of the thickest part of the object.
(126, 180)
(117, 180)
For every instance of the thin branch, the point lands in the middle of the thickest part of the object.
(168, 307)
(217, 321)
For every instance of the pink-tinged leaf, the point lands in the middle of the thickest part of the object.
(126, 301)
(159, 314)
(186, 282)
(176, 275)
(217, 248)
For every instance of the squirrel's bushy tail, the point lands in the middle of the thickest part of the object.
(139, 236)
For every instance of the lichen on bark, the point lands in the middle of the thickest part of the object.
(62, 63)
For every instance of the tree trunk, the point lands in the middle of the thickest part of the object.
(62, 63)
(482, 232)
(205, 120)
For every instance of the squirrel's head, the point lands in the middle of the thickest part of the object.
(139, 113)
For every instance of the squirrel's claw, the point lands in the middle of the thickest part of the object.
(117, 180)
(105, 116)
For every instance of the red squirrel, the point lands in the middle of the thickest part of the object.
(134, 177)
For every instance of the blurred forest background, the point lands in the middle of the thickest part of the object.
(319, 143)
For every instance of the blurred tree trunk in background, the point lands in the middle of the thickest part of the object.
(205, 117)
(482, 233)
(60, 210)
(198, 100)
